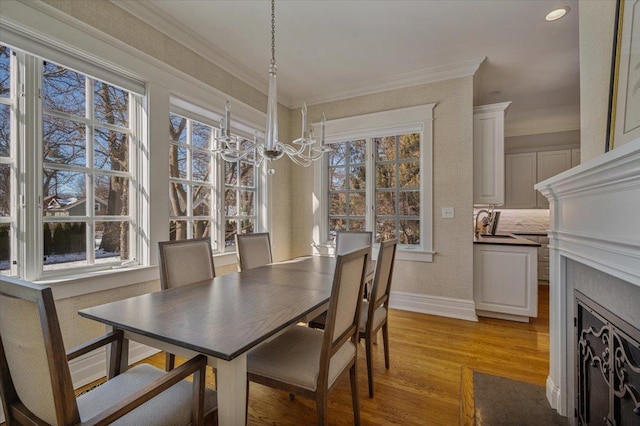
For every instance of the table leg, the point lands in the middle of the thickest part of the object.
(231, 377)
(111, 358)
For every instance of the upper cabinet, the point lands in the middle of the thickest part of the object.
(524, 170)
(488, 154)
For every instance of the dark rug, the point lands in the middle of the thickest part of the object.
(505, 402)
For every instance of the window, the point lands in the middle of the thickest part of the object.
(199, 181)
(78, 153)
(378, 178)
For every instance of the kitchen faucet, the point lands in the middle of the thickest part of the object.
(492, 221)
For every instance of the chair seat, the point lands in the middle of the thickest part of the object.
(294, 358)
(172, 407)
(378, 316)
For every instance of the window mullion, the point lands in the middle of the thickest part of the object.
(370, 179)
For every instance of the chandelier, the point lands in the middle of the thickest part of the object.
(303, 150)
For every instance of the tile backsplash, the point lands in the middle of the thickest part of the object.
(523, 220)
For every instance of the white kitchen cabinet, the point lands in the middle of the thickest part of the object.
(551, 163)
(488, 154)
(505, 281)
(520, 176)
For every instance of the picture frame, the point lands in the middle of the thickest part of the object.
(624, 107)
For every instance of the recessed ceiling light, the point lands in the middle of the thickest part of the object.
(557, 14)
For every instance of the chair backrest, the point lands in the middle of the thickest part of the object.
(347, 241)
(184, 262)
(32, 356)
(384, 273)
(343, 314)
(253, 250)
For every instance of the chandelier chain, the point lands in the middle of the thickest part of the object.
(273, 32)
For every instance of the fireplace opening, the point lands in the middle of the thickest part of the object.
(607, 366)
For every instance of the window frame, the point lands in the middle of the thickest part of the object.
(416, 119)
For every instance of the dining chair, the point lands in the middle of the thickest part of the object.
(347, 241)
(253, 250)
(374, 311)
(307, 361)
(35, 379)
(184, 262)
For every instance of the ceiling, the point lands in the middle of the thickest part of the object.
(328, 49)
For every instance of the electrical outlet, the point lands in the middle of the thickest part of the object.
(448, 213)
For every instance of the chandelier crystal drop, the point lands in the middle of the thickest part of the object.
(303, 151)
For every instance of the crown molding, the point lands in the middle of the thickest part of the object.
(414, 78)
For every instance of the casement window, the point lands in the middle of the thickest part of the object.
(378, 178)
(209, 197)
(76, 144)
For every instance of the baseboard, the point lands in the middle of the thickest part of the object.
(554, 397)
(92, 366)
(464, 309)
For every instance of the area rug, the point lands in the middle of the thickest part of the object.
(504, 402)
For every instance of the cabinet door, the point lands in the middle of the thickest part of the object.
(550, 163)
(520, 176)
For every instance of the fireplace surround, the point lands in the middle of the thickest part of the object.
(594, 247)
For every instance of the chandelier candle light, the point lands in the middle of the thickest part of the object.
(234, 148)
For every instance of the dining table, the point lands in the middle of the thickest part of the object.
(223, 318)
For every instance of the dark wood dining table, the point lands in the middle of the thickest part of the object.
(224, 318)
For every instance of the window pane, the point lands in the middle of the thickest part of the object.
(357, 178)
(230, 200)
(409, 145)
(385, 176)
(385, 203)
(246, 226)
(357, 225)
(64, 193)
(63, 90)
(201, 201)
(247, 173)
(385, 148)
(410, 175)
(339, 154)
(201, 135)
(177, 230)
(111, 195)
(5, 247)
(338, 205)
(409, 203)
(385, 229)
(5, 71)
(230, 229)
(358, 152)
(230, 173)
(337, 178)
(112, 241)
(5, 190)
(357, 205)
(246, 203)
(5, 129)
(177, 128)
(111, 105)
(177, 161)
(64, 141)
(201, 165)
(409, 232)
(178, 199)
(111, 150)
(65, 245)
(201, 228)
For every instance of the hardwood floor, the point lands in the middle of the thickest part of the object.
(429, 357)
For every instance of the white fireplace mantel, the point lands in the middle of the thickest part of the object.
(594, 220)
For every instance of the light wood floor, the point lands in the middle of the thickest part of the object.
(429, 355)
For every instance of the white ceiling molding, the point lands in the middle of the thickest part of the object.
(415, 78)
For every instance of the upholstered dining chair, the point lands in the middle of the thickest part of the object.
(347, 241)
(374, 310)
(253, 250)
(184, 262)
(36, 385)
(307, 361)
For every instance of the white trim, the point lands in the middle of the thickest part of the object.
(450, 307)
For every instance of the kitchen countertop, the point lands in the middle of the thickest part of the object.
(504, 239)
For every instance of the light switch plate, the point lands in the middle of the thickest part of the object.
(448, 213)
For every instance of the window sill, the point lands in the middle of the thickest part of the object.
(402, 253)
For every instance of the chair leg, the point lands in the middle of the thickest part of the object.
(385, 341)
(353, 375)
(322, 407)
(169, 361)
(368, 350)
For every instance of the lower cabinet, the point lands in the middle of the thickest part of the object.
(505, 281)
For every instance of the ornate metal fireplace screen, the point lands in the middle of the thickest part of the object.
(608, 367)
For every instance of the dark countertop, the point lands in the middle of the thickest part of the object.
(505, 239)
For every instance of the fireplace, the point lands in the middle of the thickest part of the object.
(594, 249)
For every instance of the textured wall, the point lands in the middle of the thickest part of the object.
(596, 44)
(451, 273)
